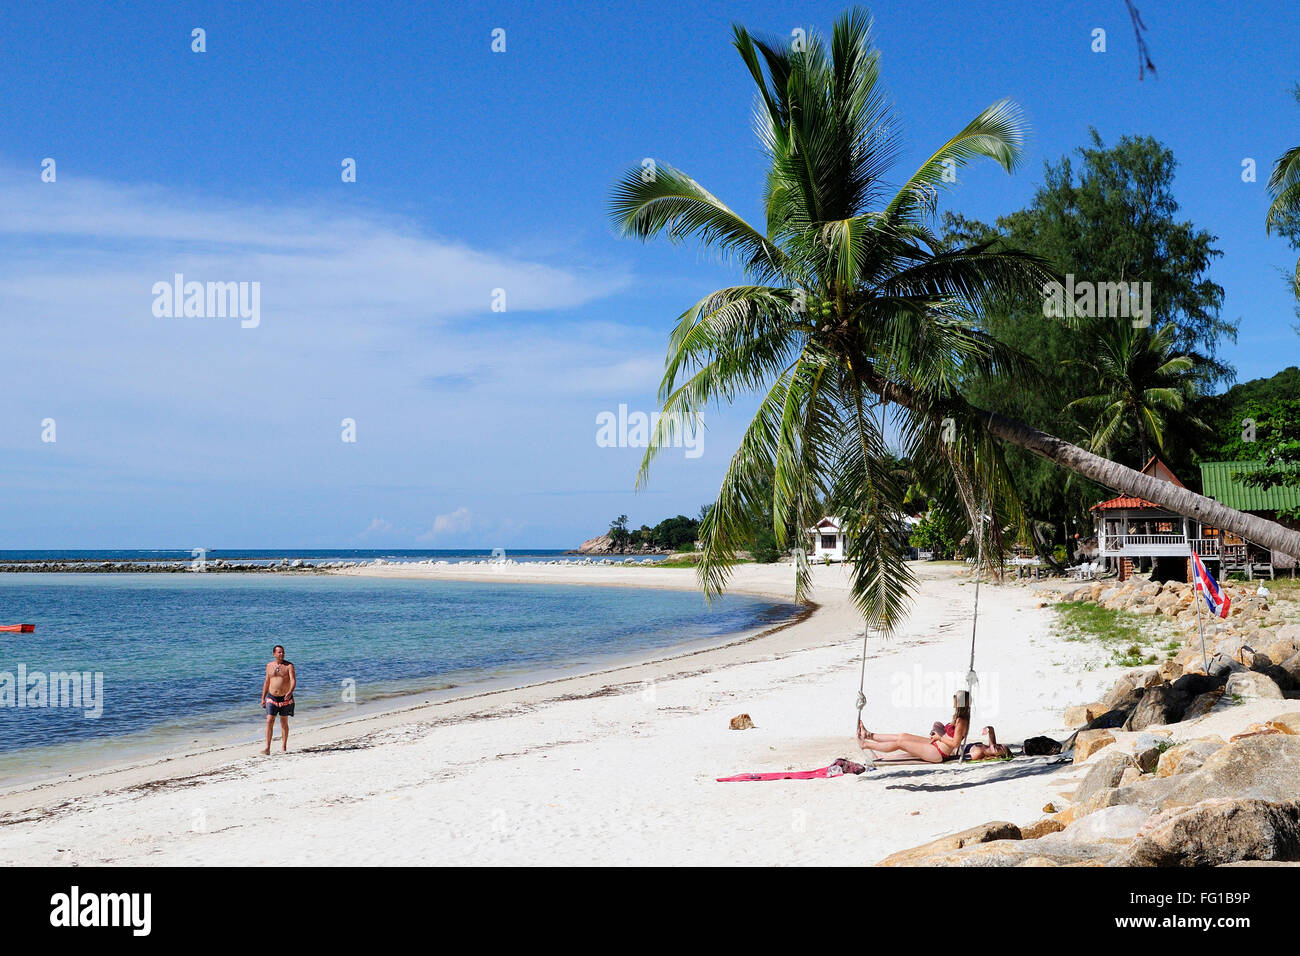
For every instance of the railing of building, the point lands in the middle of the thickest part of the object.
(1157, 545)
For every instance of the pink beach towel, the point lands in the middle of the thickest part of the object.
(838, 769)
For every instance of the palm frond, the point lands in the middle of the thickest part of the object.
(670, 202)
(996, 133)
(1284, 184)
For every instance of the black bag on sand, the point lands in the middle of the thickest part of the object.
(1042, 747)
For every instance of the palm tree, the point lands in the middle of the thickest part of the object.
(1141, 381)
(1284, 184)
(845, 296)
(854, 303)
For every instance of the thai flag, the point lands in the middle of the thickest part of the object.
(1215, 599)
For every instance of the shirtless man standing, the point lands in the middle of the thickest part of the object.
(277, 697)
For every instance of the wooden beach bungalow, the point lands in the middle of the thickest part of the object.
(1132, 532)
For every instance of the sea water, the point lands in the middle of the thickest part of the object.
(182, 656)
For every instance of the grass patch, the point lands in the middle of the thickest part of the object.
(1128, 637)
(1282, 587)
(1132, 656)
(1083, 620)
(679, 561)
(684, 559)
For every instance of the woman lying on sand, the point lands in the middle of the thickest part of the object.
(989, 749)
(935, 749)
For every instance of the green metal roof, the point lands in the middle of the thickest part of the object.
(1217, 483)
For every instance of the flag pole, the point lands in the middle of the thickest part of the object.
(1197, 594)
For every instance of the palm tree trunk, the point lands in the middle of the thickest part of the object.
(1265, 533)
(1268, 534)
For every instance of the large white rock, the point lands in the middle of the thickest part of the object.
(1109, 823)
(1251, 684)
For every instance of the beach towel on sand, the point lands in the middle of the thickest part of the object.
(838, 769)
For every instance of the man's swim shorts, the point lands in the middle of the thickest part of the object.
(275, 706)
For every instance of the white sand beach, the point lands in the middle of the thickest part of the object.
(616, 767)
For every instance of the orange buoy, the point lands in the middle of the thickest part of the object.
(18, 628)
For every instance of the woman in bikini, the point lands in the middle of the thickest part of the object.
(934, 749)
(989, 749)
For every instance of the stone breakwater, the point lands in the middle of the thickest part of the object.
(168, 567)
(284, 565)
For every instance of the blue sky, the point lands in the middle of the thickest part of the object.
(479, 171)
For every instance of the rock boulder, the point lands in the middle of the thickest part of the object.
(1104, 774)
(1252, 685)
(1215, 832)
(1260, 768)
(1088, 742)
(984, 833)
(1186, 757)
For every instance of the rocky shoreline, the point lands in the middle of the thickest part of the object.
(1182, 765)
(1207, 802)
(604, 545)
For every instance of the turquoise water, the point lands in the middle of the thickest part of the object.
(182, 655)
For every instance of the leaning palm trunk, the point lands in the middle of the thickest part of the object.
(1268, 534)
(1110, 474)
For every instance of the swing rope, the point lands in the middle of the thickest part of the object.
(866, 628)
(972, 678)
(862, 679)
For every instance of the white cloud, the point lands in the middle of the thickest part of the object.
(316, 264)
(456, 522)
(626, 376)
(377, 526)
(364, 310)
(363, 316)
